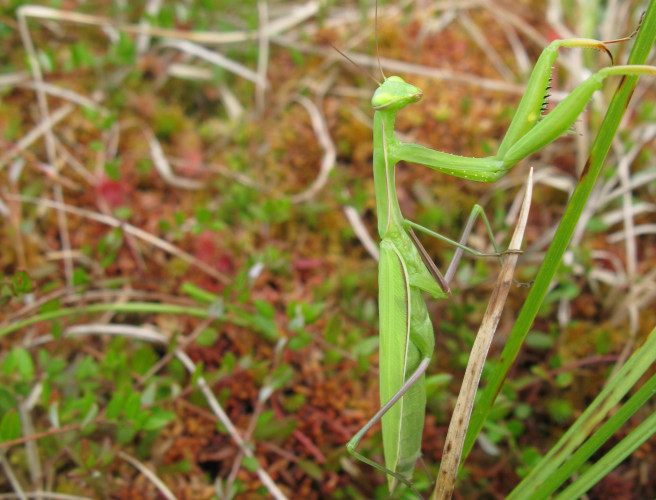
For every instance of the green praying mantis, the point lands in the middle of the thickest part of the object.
(405, 269)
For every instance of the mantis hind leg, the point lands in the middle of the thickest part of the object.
(355, 440)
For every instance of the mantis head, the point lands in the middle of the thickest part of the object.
(394, 93)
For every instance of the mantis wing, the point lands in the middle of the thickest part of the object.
(403, 422)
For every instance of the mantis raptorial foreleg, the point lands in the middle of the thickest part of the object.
(514, 147)
(406, 271)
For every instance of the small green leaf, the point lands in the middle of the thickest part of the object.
(560, 409)
(603, 341)
(123, 213)
(124, 51)
(312, 312)
(300, 340)
(10, 426)
(539, 340)
(437, 381)
(158, 419)
(108, 121)
(56, 329)
(251, 464)
(91, 414)
(207, 337)
(523, 411)
(293, 403)
(228, 363)
(96, 146)
(125, 434)
(297, 57)
(264, 308)
(143, 359)
(311, 469)
(47, 60)
(198, 372)
(7, 400)
(365, 347)
(273, 429)
(80, 277)
(333, 329)
(281, 376)
(87, 369)
(266, 326)
(530, 457)
(203, 215)
(564, 379)
(113, 169)
(80, 56)
(515, 427)
(50, 306)
(22, 282)
(148, 394)
(24, 363)
(132, 406)
(115, 405)
(596, 225)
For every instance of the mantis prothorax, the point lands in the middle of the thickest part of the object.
(406, 271)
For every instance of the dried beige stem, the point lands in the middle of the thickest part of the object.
(455, 437)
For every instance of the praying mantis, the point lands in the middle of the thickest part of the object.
(405, 269)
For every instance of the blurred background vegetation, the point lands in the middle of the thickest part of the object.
(187, 212)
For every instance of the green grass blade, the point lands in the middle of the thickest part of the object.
(236, 317)
(546, 477)
(129, 308)
(554, 481)
(644, 42)
(611, 459)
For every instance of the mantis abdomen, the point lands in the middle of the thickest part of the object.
(405, 340)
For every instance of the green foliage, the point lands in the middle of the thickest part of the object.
(540, 341)
(207, 337)
(530, 457)
(108, 247)
(560, 409)
(18, 363)
(15, 286)
(120, 392)
(81, 57)
(274, 429)
(112, 169)
(124, 51)
(10, 426)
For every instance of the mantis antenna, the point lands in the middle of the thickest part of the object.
(350, 60)
(380, 66)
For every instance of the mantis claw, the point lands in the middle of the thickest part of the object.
(522, 284)
(511, 251)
